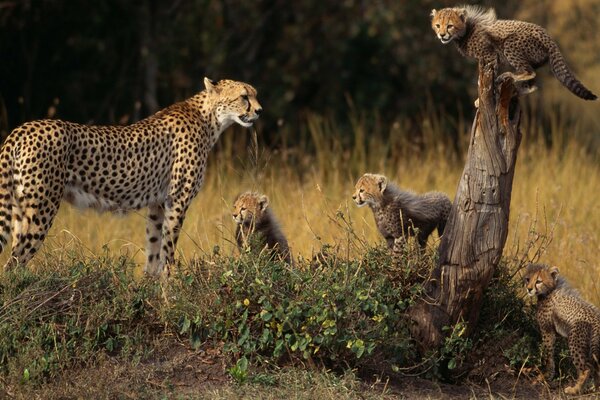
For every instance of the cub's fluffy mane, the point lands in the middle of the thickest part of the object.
(477, 15)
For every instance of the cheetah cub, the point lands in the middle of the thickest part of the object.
(561, 310)
(257, 227)
(521, 46)
(398, 213)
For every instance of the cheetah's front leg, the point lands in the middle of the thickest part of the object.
(548, 340)
(154, 223)
(174, 214)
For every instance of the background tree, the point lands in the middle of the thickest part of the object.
(118, 61)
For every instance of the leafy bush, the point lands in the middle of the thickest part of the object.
(339, 312)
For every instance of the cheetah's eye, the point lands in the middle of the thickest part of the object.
(450, 26)
(538, 281)
(361, 191)
(245, 97)
(437, 26)
(243, 209)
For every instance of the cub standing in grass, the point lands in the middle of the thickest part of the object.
(522, 45)
(560, 309)
(257, 226)
(398, 213)
(159, 163)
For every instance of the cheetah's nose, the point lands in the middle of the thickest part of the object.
(353, 197)
(258, 111)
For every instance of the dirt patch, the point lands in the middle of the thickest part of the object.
(173, 369)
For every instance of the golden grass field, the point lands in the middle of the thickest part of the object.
(554, 197)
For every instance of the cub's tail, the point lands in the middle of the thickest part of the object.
(561, 71)
(6, 193)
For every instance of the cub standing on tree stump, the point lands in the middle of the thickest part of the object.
(257, 227)
(561, 310)
(399, 213)
(524, 46)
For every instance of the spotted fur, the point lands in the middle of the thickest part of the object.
(561, 310)
(398, 213)
(522, 46)
(159, 163)
(257, 227)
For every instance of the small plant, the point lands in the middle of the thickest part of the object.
(239, 372)
(456, 345)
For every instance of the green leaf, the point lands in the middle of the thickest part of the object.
(452, 363)
(265, 315)
(185, 325)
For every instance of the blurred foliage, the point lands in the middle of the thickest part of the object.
(117, 61)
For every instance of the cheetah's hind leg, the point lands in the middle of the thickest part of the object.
(576, 388)
(520, 77)
(580, 348)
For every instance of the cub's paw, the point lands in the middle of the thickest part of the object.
(572, 390)
(506, 76)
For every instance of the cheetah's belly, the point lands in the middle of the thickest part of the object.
(102, 202)
(75, 195)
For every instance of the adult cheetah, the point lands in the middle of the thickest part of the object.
(159, 163)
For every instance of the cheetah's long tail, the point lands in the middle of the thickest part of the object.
(6, 193)
(563, 73)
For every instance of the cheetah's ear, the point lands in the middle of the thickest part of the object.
(554, 271)
(210, 85)
(462, 14)
(382, 181)
(433, 12)
(263, 202)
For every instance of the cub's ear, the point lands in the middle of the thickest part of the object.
(210, 85)
(382, 182)
(462, 13)
(554, 271)
(433, 12)
(263, 202)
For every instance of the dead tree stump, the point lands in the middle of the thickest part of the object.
(477, 228)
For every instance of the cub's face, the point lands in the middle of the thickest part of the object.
(249, 208)
(540, 279)
(235, 102)
(369, 190)
(448, 23)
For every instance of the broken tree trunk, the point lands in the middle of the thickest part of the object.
(477, 228)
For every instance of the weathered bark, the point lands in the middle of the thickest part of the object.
(477, 228)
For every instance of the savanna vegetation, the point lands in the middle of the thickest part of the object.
(347, 87)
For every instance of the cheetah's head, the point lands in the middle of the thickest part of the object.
(449, 23)
(249, 208)
(235, 102)
(369, 190)
(540, 279)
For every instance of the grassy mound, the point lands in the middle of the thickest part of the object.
(329, 311)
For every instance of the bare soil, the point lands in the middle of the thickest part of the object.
(174, 370)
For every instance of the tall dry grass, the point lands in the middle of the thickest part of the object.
(310, 187)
